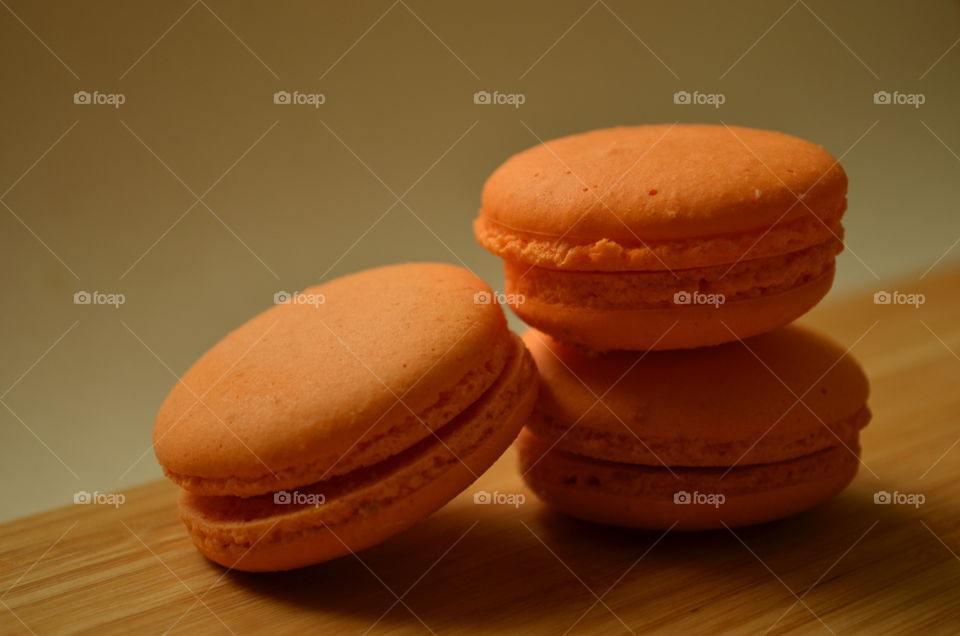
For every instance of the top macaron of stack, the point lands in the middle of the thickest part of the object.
(665, 236)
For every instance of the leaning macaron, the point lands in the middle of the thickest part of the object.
(343, 416)
(665, 236)
(736, 434)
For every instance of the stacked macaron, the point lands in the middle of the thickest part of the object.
(343, 416)
(632, 251)
(696, 438)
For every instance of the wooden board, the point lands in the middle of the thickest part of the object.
(848, 566)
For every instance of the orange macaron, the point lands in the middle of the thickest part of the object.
(665, 236)
(343, 416)
(736, 434)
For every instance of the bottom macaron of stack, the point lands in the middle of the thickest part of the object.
(732, 435)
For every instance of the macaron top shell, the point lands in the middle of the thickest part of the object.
(612, 190)
(710, 406)
(349, 373)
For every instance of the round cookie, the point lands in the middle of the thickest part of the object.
(331, 422)
(665, 237)
(615, 438)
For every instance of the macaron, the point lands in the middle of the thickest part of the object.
(737, 434)
(343, 415)
(665, 236)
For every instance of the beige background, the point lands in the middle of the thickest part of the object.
(98, 198)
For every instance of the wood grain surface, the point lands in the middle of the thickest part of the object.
(849, 566)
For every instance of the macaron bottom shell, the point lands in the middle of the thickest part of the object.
(682, 326)
(682, 498)
(368, 505)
